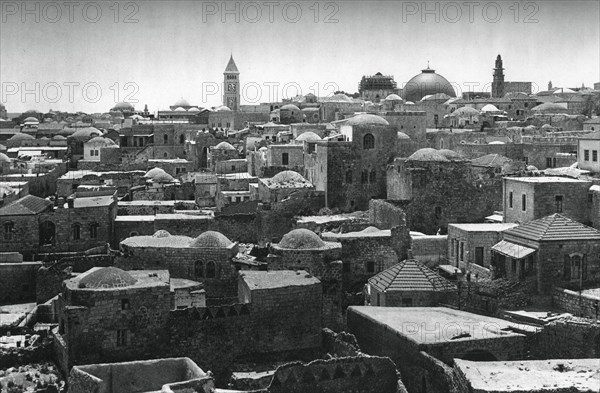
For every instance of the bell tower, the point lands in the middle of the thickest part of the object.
(498, 82)
(231, 86)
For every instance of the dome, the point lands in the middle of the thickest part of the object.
(436, 97)
(161, 233)
(224, 146)
(308, 136)
(427, 83)
(393, 97)
(402, 135)
(287, 176)
(301, 239)
(182, 102)
(99, 140)
(107, 277)
(367, 119)
(549, 107)
(211, 239)
(341, 97)
(86, 133)
(465, 111)
(223, 108)
(428, 154)
(123, 106)
(289, 107)
(194, 109)
(180, 109)
(59, 138)
(547, 127)
(489, 108)
(564, 91)
(21, 137)
(31, 120)
(158, 175)
(4, 158)
(409, 103)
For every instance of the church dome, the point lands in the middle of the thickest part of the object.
(367, 119)
(21, 137)
(107, 277)
(123, 107)
(289, 107)
(182, 102)
(287, 176)
(393, 97)
(427, 83)
(86, 133)
(224, 146)
(211, 239)
(4, 158)
(161, 233)
(308, 136)
(301, 239)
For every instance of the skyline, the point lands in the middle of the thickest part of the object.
(180, 49)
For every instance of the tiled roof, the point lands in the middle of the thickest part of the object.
(27, 205)
(410, 275)
(554, 227)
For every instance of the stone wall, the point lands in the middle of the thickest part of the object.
(430, 250)
(18, 282)
(567, 338)
(584, 305)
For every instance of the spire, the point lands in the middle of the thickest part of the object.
(231, 67)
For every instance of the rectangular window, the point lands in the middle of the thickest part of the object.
(524, 202)
(121, 337)
(124, 304)
(285, 159)
(586, 155)
(510, 199)
(514, 266)
(548, 162)
(479, 256)
(558, 200)
(595, 155)
(462, 251)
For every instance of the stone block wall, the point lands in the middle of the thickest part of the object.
(584, 305)
(567, 338)
(18, 282)
(430, 250)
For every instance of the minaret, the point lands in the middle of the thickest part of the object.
(498, 82)
(231, 86)
(550, 85)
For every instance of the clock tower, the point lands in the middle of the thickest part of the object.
(231, 86)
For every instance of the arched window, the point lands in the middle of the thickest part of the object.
(76, 231)
(199, 269)
(211, 270)
(134, 233)
(94, 230)
(349, 176)
(368, 142)
(165, 154)
(9, 230)
(373, 176)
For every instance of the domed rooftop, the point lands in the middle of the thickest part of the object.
(287, 176)
(161, 233)
(123, 106)
(341, 97)
(428, 154)
(194, 109)
(301, 239)
(181, 102)
(4, 158)
(158, 175)
(564, 90)
(427, 83)
(367, 119)
(31, 119)
(107, 277)
(99, 140)
(402, 135)
(224, 146)
(86, 133)
(290, 107)
(465, 111)
(308, 136)
(409, 103)
(549, 107)
(21, 137)
(436, 97)
(393, 97)
(180, 109)
(489, 108)
(223, 108)
(211, 239)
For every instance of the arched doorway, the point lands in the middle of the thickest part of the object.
(479, 355)
(47, 233)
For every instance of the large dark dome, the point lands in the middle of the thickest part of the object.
(427, 83)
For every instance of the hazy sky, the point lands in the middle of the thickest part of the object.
(86, 52)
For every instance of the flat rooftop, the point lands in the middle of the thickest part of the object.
(432, 325)
(547, 179)
(365, 233)
(492, 227)
(572, 375)
(277, 279)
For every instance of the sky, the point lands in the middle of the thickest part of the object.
(86, 56)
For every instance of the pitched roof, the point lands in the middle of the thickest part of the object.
(231, 67)
(26, 206)
(554, 227)
(410, 275)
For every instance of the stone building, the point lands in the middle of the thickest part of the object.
(377, 87)
(587, 152)
(438, 187)
(424, 341)
(550, 251)
(409, 284)
(282, 185)
(531, 198)
(206, 259)
(470, 246)
(95, 149)
(223, 151)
